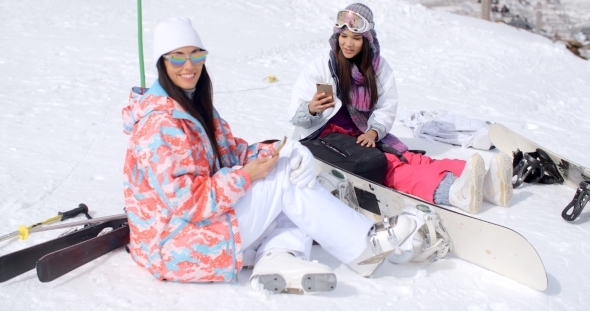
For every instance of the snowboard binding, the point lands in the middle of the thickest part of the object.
(430, 240)
(534, 167)
(575, 207)
(337, 184)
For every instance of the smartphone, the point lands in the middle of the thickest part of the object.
(280, 147)
(325, 88)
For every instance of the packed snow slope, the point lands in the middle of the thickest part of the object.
(67, 67)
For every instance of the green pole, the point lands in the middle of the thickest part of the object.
(140, 43)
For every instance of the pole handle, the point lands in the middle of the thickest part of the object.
(81, 209)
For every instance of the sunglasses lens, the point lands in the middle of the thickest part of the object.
(177, 60)
(199, 57)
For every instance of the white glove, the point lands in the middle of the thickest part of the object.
(302, 163)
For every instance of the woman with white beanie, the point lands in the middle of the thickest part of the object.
(365, 107)
(198, 198)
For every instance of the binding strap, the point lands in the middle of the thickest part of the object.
(429, 242)
(575, 207)
(534, 167)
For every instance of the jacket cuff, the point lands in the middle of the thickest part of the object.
(372, 124)
(244, 174)
(304, 111)
(379, 129)
(303, 118)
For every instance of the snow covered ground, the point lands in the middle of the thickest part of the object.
(67, 67)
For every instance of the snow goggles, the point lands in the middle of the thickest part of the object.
(178, 60)
(354, 21)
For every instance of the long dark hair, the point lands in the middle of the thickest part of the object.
(201, 105)
(363, 61)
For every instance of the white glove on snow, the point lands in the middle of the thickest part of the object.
(302, 163)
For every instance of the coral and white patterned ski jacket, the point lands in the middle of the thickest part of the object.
(178, 201)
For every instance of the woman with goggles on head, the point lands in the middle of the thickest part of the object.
(199, 200)
(365, 107)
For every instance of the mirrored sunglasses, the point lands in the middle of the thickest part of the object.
(178, 60)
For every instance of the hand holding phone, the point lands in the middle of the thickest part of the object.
(323, 98)
(324, 88)
(261, 167)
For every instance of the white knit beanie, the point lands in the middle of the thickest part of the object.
(173, 33)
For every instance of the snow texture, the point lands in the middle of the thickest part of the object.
(61, 140)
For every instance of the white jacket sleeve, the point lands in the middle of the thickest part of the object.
(382, 118)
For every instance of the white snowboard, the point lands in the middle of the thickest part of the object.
(483, 243)
(508, 141)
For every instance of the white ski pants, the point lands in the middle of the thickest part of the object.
(301, 215)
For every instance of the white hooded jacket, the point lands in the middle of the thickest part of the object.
(318, 71)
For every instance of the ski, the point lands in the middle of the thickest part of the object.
(19, 262)
(486, 244)
(60, 262)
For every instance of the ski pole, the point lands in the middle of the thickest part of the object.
(79, 223)
(23, 232)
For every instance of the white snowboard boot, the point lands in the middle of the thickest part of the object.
(383, 239)
(279, 271)
(467, 191)
(497, 184)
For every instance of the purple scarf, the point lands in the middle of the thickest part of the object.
(361, 99)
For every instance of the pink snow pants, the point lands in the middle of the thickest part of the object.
(421, 175)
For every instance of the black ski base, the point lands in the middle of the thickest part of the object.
(60, 262)
(19, 262)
